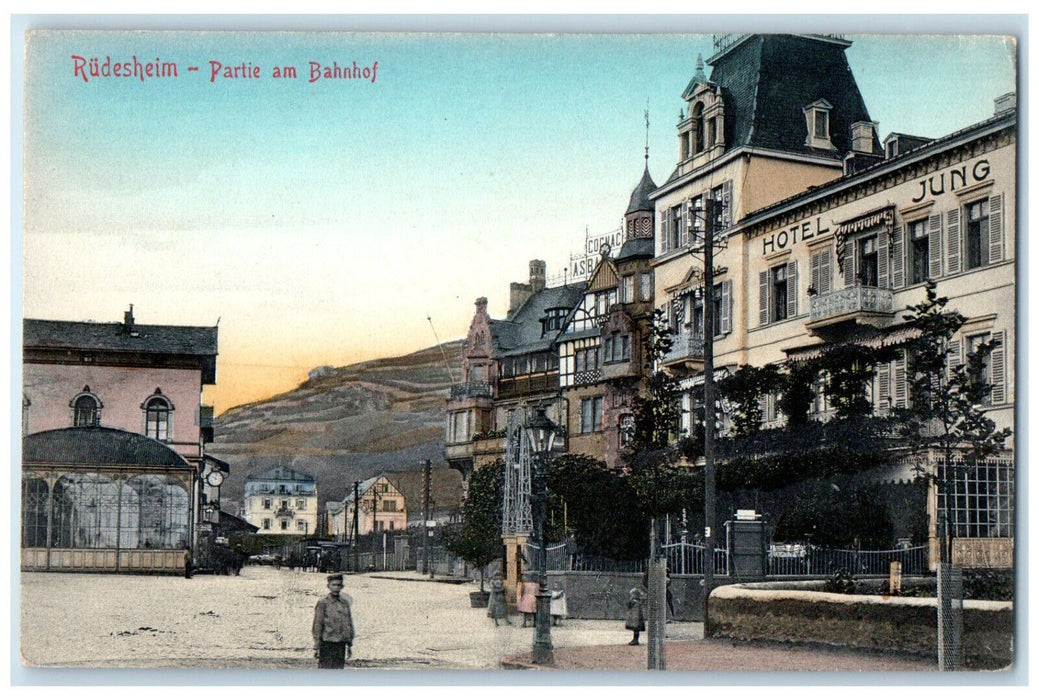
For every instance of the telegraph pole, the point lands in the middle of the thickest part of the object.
(708, 400)
(357, 524)
(425, 518)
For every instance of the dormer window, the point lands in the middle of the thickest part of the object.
(817, 116)
(698, 128)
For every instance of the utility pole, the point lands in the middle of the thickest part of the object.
(708, 400)
(357, 525)
(425, 518)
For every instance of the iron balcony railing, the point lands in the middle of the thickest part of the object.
(685, 346)
(472, 390)
(588, 376)
(850, 300)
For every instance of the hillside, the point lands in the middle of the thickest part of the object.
(348, 424)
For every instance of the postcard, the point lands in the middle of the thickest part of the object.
(640, 350)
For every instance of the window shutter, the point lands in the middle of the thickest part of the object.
(815, 271)
(995, 228)
(763, 297)
(849, 264)
(898, 258)
(726, 320)
(883, 266)
(825, 281)
(727, 204)
(883, 401)
(791, 289)
(999, 367)
(900, 380)
(934, 244)
(683, 224)
(663, 231)
(954, 357)
(952, 219)
(763, 407)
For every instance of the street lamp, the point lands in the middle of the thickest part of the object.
(541, 435)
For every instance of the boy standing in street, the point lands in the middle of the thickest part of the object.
(333, 626)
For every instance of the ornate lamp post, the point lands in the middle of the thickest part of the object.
(541, 433)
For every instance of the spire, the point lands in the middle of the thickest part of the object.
(647, 134)
(698, 77)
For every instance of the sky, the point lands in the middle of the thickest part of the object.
(325, 222)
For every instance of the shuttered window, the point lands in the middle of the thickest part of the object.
(820, 270)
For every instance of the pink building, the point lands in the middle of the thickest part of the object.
(112, 450)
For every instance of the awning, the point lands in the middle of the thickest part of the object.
(867, 336)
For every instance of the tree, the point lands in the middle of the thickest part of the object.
(796, 393)
(744, 389)
(850, 368)
(477, 539)
(945, 411)
(579, 487)
(660, 485)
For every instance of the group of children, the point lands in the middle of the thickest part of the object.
(497, 609)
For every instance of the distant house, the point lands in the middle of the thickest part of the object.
(382, 508)
(281, 501)
(113, 444)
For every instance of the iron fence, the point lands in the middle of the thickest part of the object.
(809, 560)
(795, 559)
(689, 558)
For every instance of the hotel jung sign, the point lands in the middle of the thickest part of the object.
(814, 228)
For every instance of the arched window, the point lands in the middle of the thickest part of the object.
(86, 409)
(157, 409)
(698, 128)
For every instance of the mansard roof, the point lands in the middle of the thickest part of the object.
(280, 474)
(767, 80)
(636, 248)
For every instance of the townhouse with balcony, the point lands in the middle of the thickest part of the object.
(824, 235)
(281, 501)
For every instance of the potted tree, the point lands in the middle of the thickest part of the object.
(477, 539)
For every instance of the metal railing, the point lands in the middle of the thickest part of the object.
(685, 345)
(857, 299)
(808, 560)
(688, 558)
(472, 390)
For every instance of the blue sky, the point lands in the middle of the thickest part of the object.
(322, 222)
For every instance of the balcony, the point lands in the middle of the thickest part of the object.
(858, 304)
(513, 387)
(686, 354)
(472, 390)
(587, 376)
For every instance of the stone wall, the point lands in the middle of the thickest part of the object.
(777, 612)
(593, 595)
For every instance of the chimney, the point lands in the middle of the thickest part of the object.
(518, 294)
(862, 137)
(128, 320)
(1005, 103)
(537, 276)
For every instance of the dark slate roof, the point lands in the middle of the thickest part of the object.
(640, 200)
(98, 447)
(85, 335)
(767, 80)
(636, 248)
(280, 474)
(520, 332)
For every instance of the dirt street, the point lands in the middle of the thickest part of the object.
(262, 619)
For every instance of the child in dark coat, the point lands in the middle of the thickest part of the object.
(636, 617)
(496, 607)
